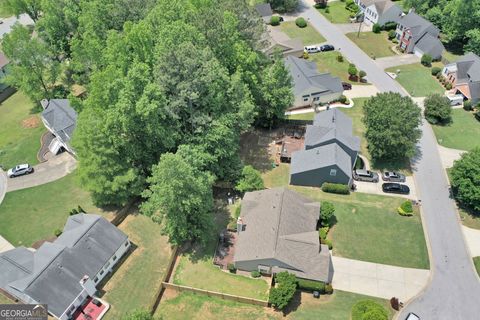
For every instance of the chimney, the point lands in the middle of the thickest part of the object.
(240, 224)
(44, 103)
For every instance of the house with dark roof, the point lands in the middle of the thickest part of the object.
(330, 152)
(60, 119)
(265, 11)
(65, 273)
(464, 75)
(379, 11)
(419, 36)
(277, 231)
(309, 86)
(278, 41)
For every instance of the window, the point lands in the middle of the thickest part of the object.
(106, 265)
(95, 279)
(316, 98)
(333, 172)
(305, 98)
(114, 258)
(126, 243)
(101, 272)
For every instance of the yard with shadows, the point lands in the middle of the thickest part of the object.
(463, 133)
(309, 35)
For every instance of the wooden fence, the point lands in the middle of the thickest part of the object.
(166, 278)
(220, 295)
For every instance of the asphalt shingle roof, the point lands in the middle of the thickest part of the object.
(61, 117)
(335, 119)
(468, 67)
(316, 136)
(281, 224)
(320, 157)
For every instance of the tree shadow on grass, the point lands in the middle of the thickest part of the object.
(293, 304)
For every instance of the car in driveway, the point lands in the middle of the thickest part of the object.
(312, 49)
(392, 187)
(346, 86)
(365, 175)
(19, 170)
(393, 176)
(327, 47)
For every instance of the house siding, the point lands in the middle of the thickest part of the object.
(252, 265)
(322, 98)
(316, 177)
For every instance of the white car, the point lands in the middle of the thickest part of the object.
(312, 49)
(19, 170)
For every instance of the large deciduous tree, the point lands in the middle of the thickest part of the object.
(31, 7)
(180, 198)
(465, 178)
(251, 180)
(437, 109)
(392, 126)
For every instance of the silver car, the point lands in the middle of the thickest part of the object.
(19, 170)
(365, 175)
(393, 176)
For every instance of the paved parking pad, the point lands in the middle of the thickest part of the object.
(378, 280)
(376, 188)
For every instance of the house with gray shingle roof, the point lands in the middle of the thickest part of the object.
(60, 119)
(419, 36)
(278, 41)
(265, 11)
(310, 86)
(379, 11)
(330, 153)
(63, 274)
(278, 232)
(464, 75)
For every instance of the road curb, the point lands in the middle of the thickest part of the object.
(3, 181)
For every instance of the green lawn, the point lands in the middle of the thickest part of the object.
(4, 12)
(338, 13)
(33, 214)
(463, 133)
(4, 300)
(417, 80)
(20, 131)
(374, 44)
(327, 62)
(302, 116)
(308, 35)
(135, 283)
(190, 306)
(476, 261)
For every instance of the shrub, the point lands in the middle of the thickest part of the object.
(406, 209)
(327, 10)
(251, 180)
(231, 268)
(395, 41)
(362, 74)
(465, 175)
(340, 58)
(282, 293)
(275, 20)
(305, 55)
(300, 22)
(255, 274)
(57, 232)
(310, 285)
(362, 308)
(426, 60)
(390, 26)
(320, 4)
(327, 242)
(391, 34)
(343, 99)
(437, 109)
(436, 71)
(73, 212)
(327, 212)
(328, 288)
(467, 105)
(322, 232)
(448, 86)
(335, 188)
(376, 28)
(352, 70)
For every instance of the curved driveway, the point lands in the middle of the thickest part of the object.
(454, 290)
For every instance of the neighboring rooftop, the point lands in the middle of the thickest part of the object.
(335, 119)
(316, 136)
(3, 60)
(321, 157)
(468, 68)
(265, 11)
(60, 116)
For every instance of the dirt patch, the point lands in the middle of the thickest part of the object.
(169, 294)
(31, 122)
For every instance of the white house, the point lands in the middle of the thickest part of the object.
(379, 11)
(60, 119)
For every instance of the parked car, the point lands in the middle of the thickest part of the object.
(393, 176)
(19, 170)
(365, 175)
(311, 49)
(412, 316)
(346, 86)
(327, 47)
(390, 187)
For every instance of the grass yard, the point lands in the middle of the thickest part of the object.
(463, 133)
(337, 14)
(33, 214)
(365, 220)
(417, 80)
(190, 306)
(327, 62)
(5, 300)
(4, 11)
(135, 283)
(302, 116)
(470, 219)
(20, 131)
(374, 44)
(476, 262)
(308, 35)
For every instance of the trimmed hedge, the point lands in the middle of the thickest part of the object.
(343, 99)
(436, 71)
(328, 289)
(406, 209)
(390, 26)
(335, 188)
(391, 34)
(275, 20)
(362, 308)
(327, 242)
(376, 28)
(300, 22)
(322, 232)
(467, 105)
(255, 274)
(310, 285)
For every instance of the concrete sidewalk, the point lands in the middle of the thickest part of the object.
(472, 237)
(5, 245)
(3, 184)
(378, 280)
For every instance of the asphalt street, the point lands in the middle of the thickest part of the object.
(454, 289)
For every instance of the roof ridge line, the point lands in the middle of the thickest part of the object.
(16, 264)
(278, 222)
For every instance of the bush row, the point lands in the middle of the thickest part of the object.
(335, 188)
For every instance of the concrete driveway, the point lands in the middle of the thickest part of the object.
(54, 169)
(378, 280)
(397, 60)
(353, 27)
(3, 185)
(448, 156)
(5, 245)
(8, 23)
(358, 91)
(376, 188)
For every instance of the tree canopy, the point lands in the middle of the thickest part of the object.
(437, 109)
(465, 179)
(392, 126)
(368, 310)
(251, 180)
(284, 290)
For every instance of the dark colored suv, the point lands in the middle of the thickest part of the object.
(395, 188)
(346, 86)
(327, 47)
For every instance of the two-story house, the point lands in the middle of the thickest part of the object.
(379, 11)
(464, 75)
